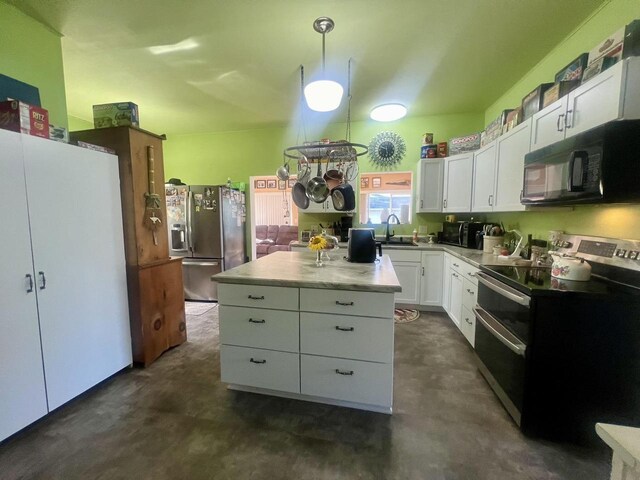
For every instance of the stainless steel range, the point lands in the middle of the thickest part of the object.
(562, 355)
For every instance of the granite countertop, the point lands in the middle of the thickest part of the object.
(298, 269)
(470, 255)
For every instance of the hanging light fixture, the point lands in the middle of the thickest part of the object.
(323, 95)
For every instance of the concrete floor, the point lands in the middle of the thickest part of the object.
(175, 420)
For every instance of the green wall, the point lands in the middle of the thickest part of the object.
(211, 158)
(32, 53)
(610, 221)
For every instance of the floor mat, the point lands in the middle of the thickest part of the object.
(404, 315)
(198, 308)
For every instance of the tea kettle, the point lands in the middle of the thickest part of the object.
(569, 267)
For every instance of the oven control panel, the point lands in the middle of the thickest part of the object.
(609, 251)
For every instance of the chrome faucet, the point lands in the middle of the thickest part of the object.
(388, 235)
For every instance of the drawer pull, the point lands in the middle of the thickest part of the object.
(252, 360)
(472, 293)
(251, 320)
(345, 304)
(456, 265)
(455, 275)
(344, 372)
(468, 321)
(251, 297)
(344, 329)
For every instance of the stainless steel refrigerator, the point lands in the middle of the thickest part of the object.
(207, 227)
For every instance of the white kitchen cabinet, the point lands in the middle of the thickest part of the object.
(610, 95)
(429, 193)
(455, 308)
(431, 284)
(511, 149)
(338, 344)
(23, 397)
(458, 181)
(446, 282)
(408, 267)
(468, 325)
(75, 256)
(484, 170)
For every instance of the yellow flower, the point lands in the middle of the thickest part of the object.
(317, 243)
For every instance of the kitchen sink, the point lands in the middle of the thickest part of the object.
(400, 241)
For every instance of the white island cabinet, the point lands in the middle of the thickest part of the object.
(324, 334)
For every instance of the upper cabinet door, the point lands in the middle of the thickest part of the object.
(549, 124)
(429, 192)
(484, 179)
(597, 101)
(512, 147)
(458, 180)
(22, 397)
(76, 229)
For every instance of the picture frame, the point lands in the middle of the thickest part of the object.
(376, 182)
(271, 184)
(364, 182)
(292, 182)
(282, 184)
(261, 184)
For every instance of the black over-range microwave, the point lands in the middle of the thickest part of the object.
(601, 165)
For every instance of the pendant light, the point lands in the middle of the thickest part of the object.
(323, 95)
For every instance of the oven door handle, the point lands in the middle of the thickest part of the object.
(504, 290)
(501, 333)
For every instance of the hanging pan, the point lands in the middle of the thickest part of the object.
(343, 198)
(317, 189)
(299, 190)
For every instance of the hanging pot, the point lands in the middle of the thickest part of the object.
(317, 189)
(343, 198)
(299, 196)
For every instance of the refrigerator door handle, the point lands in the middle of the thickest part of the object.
(202, 264)
(189, 221)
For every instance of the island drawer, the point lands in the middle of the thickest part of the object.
(260, 296)
(361, 338)
(348, 380)
(346, 302)
(259, 328)
(260, 368)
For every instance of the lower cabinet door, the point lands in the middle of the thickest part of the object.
(455, 301)
(259, 368)
(349, 380)
(408, 274)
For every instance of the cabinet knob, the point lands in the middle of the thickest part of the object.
(157, 324)
(30, 282)
(344, 372)
(43, 281)
(468, 321)
(421, 203)
(560, 123)
(423, 271)
(568, 120)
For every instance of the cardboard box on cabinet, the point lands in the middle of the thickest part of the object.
(116, 115)
(24, 118)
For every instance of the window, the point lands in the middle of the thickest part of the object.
(382, 194)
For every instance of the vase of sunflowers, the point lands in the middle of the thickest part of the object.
(317, 243)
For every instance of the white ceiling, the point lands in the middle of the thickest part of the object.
(242, 72)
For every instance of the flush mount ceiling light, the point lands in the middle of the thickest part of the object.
(323, 95)
(388, 112)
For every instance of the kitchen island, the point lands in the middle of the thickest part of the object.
(289, 328)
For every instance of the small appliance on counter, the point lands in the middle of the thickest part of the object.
(362, 245)
(461, 234)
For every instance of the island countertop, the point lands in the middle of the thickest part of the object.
(298, 269)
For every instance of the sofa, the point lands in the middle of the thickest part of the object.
(274, 238)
